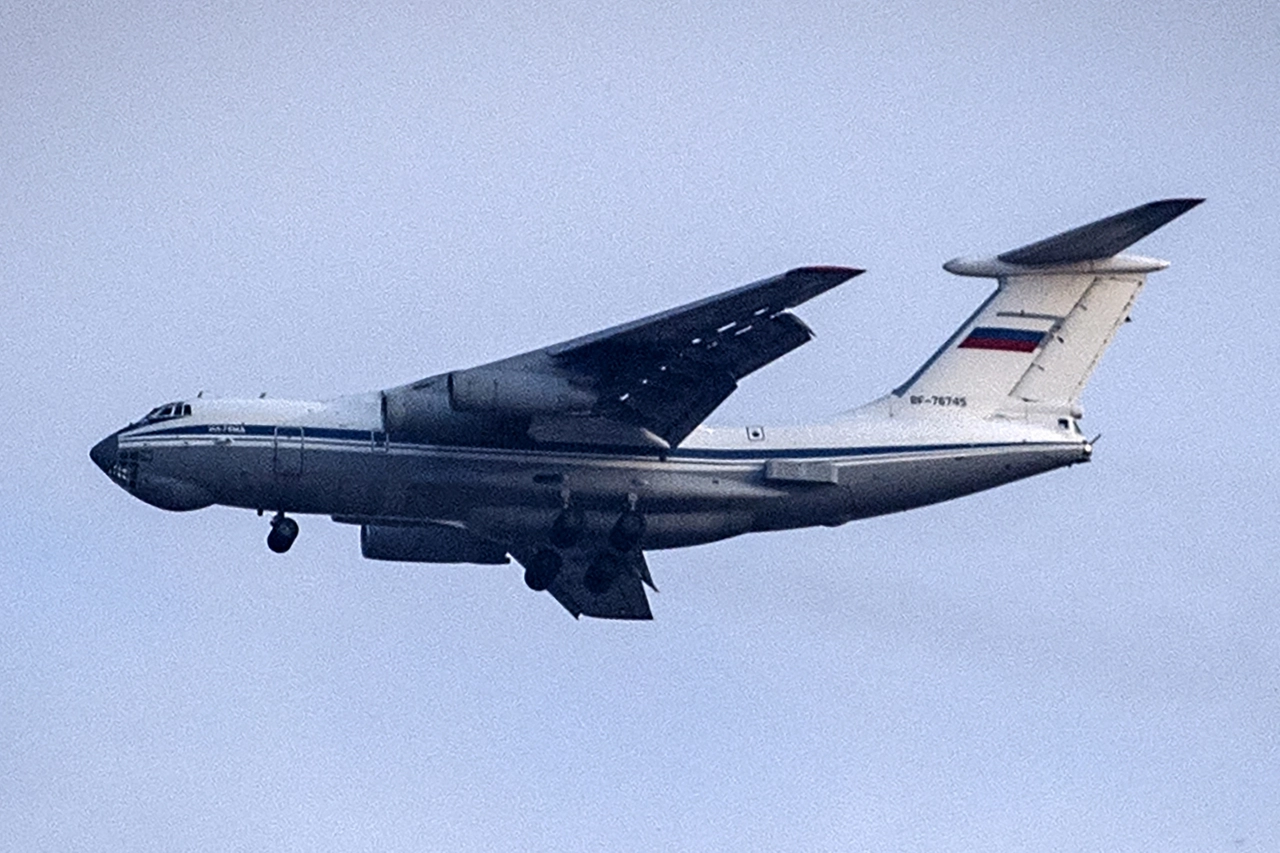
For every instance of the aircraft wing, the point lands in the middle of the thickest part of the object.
(652, 380)
(624, 599)
(667, 372)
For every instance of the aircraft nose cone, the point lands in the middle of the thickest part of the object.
(104, 453)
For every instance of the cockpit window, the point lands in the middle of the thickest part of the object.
(167, 412)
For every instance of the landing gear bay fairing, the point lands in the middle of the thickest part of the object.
(577, 458)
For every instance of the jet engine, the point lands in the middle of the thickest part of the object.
(424, 411)
(499, 404)
(516, 392)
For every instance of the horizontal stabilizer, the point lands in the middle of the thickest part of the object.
(1100, 239)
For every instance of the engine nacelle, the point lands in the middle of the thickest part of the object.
(423, 411)
(512, 392)
(497, 404)
(428, 543)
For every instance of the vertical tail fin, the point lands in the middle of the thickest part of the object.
(1035, 341)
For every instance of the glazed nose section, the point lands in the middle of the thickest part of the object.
(105, 453)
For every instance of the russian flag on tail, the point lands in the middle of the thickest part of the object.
(1009, 340)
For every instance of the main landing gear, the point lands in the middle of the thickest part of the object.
(627, 531)
(542, 569)
(600, 574)
(547, 562)
(568, 527)
(283, 532)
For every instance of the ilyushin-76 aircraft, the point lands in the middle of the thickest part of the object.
(576, 458)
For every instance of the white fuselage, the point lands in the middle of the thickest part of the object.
(335, 458)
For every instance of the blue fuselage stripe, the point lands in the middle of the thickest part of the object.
(369, 438)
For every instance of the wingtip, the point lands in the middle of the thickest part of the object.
(843, 273)
(1172, 207)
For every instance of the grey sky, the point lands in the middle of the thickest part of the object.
(313, 200)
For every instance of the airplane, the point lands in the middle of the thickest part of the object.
(576, 458)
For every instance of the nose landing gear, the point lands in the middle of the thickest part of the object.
(283, 532)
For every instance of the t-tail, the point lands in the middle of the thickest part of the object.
(1029, 349)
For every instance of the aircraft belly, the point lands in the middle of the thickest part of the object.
(432, 483)
(528, 526)
(510, 496)
(598, 482)
(683, 504)
(883, 486)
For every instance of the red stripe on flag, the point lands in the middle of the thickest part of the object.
(998, 344)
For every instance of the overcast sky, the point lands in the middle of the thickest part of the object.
(312, 200)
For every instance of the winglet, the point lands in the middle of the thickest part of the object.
(1101, 239)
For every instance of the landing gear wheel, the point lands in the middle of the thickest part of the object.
(543, 567)
(283, 532)
(627, 531)
(568, 527)
(600, 574)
